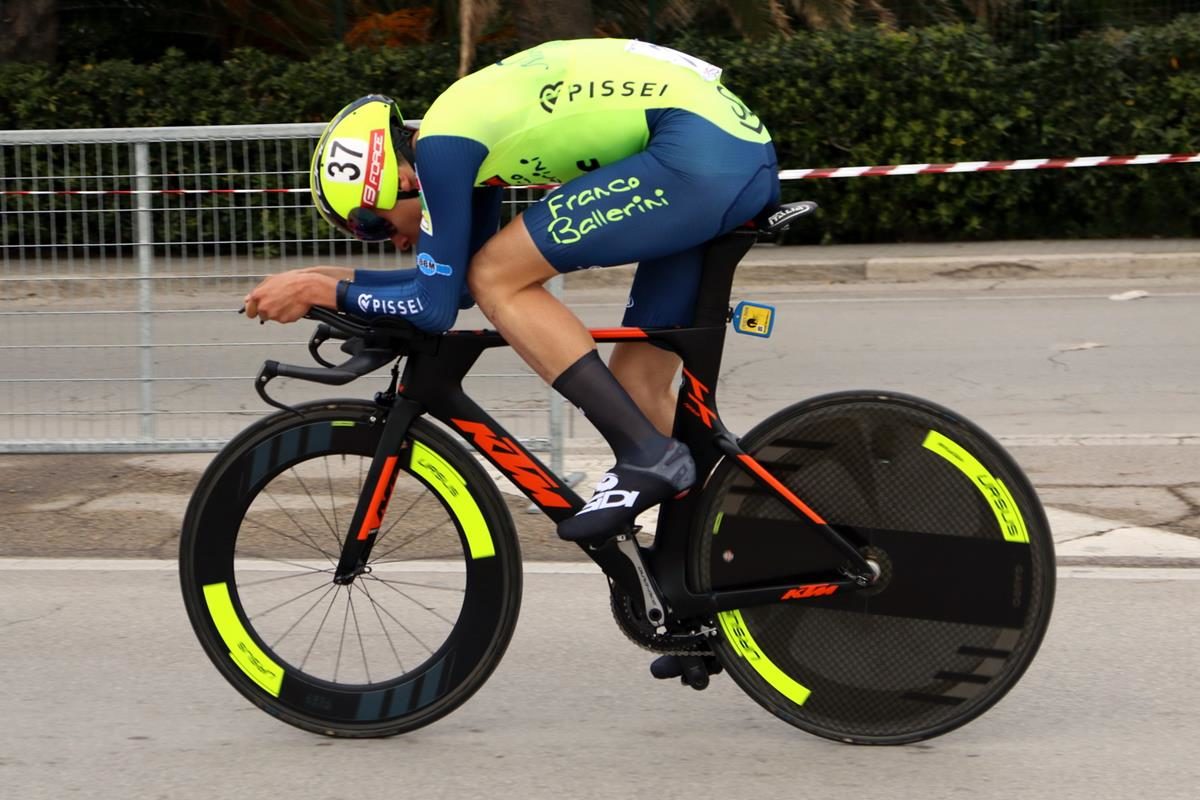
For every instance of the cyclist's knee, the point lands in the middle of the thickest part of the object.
(498, 273)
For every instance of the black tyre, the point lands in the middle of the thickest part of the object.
(407, 641)
(966, 558)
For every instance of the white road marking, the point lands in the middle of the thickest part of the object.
(531, 568)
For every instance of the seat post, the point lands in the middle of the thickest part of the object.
(721, 257)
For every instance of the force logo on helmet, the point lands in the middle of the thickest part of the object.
(375, 161)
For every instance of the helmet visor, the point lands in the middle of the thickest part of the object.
(367, 226)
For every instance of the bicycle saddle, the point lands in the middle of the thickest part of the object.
(776, 219)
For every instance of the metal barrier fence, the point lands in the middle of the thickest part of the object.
(124, 254)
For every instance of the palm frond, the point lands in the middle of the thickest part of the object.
(755, 19)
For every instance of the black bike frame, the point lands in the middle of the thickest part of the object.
(432, 383)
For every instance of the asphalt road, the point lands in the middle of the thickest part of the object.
(107, 695)
(1097, 398)
(1031, 356)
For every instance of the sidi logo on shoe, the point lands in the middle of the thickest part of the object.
(608, 496)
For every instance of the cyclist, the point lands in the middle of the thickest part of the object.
(655, 157)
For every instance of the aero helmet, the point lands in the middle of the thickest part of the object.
(354, 167)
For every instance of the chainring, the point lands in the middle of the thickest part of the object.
(641, 632)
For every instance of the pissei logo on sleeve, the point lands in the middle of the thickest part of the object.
(370, 304)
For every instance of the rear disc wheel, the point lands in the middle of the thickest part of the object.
(961, 542)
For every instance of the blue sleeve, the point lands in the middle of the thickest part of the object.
(485, 216)
(430, 296)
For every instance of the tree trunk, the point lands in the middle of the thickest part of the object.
(30, 30)
(539, 21)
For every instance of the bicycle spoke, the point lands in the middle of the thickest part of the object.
(412, 539)
(402, 515)
(421, 585)
(358, 631)
(300, 526)
(382, 627)
(265, 612)
(337, 665)
(313, 500)
(406, 629)
(416, 602)
(301, 618)
(332, 496)
(452, 556)
(308, 573)
(320, 628)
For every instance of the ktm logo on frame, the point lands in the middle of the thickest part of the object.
(811, 590)
(508, 456)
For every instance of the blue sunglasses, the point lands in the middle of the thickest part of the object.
(367, 226)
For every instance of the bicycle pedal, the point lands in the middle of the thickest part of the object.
(695, 676)
(692, 671)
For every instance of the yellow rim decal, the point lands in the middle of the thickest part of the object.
(342, 423)
(717, 524)
(1012, 525)
(738, 635)
(242, 649)
(446, 481)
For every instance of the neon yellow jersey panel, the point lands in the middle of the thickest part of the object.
(558, 110)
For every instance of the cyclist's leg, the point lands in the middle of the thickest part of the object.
(663, 296)
(506, 279)
(645, 207)
(650, 466)
(648, 373)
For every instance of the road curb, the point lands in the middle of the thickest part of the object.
(791, 265)
(1140, 562)
(1107, 265)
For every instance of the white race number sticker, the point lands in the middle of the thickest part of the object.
(345, 160)
(702, 68)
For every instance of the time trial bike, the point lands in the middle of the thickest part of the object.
(868, 566)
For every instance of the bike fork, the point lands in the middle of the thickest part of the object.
(376, 491)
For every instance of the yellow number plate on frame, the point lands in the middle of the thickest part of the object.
(754, 319)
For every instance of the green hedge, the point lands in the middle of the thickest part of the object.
(861, 97)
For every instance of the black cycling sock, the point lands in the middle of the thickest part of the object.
(594, 390)
(626, 491)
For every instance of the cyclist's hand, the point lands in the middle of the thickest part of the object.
(288, 296)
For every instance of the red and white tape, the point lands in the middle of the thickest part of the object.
(989, 166)
(784, 175)
(88, 192)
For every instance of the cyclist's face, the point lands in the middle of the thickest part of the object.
(405, 216)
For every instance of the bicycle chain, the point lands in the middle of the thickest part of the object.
(638, 632)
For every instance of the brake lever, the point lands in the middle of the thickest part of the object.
(269, 371)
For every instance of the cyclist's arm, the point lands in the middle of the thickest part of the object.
(485, 219)
(337, 273)
(287, 296)
(429, 298)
